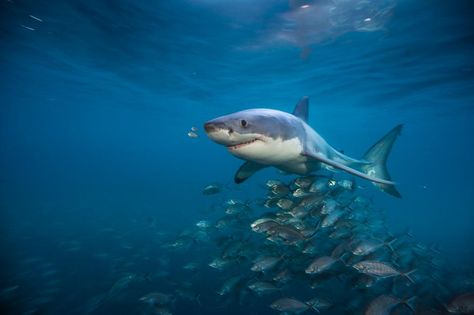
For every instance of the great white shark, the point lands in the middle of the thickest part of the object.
(267, 137)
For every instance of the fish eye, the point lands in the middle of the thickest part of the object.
(243, 123)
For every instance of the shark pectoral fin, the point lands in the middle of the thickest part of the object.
(325, 160)
(246, 170)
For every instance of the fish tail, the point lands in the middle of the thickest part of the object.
(316, 230)
(349, 203)
(435, 248)
(377, 157)
(410, 303)
(441, 302)
(408, 232)
(313, 306)
(284, 257)
(342, 258)
(389, 244)
(407, 275)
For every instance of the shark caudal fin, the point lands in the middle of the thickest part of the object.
(377, 156)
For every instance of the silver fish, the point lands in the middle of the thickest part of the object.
(219, 263)
(229, 285)
(383, 305)
(263, 225)
(211, 189)
(280, 190)
(263, 287)
(332, 218)
(285, 204)
(320, 264)
(463, 304)
(329, 205)
(156, 298)
(161, 310)
(272, 182)
(289, 305)
(237, 208)
(203, 224)
(298, 193)
(320, 185)
(347, 184)
(192, 134)
(283, 276)
(368, 246)
(380, 269)
(265, 263)
(299, 212)
(305, 181)
(286, 234)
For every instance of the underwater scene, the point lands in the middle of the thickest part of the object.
(236, 157)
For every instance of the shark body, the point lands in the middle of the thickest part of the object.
(267, 137)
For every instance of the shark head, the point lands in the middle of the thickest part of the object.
(254, 134)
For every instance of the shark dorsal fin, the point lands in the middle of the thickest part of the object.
(301, 109)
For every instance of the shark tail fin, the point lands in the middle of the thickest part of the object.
(377, 156)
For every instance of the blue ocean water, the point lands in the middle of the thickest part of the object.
(98, 173)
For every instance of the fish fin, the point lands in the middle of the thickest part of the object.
(301, 109)
(377, 155)
(246, 170)
(340, 166)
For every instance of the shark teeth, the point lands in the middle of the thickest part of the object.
(239, 145)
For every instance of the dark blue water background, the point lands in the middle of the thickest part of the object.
(96, 100)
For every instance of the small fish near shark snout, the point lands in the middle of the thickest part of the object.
(267, 137)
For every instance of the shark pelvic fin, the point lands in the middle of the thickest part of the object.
(340, 166)
(301, 109)
(246, 170)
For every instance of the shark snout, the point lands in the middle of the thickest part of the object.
(219, 132)
(209, 127)
(212, 126)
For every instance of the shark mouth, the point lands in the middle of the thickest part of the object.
(239, 145)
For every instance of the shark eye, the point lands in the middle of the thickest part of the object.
(243, 123)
